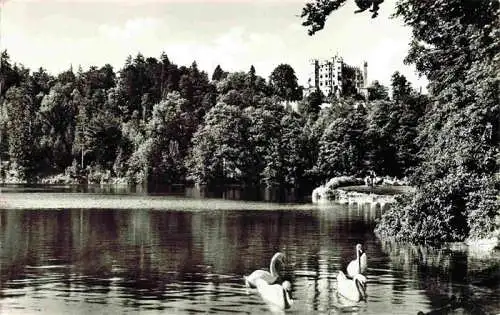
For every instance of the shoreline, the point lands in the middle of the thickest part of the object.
(63, 179)
(352, 190)
(348, 190)
(67, 201)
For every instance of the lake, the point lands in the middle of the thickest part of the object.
(94, 253)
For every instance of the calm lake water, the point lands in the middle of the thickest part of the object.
(127, 254)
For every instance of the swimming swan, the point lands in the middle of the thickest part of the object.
(269, 277)
(276, 294)
(358, 265)
(352, 289)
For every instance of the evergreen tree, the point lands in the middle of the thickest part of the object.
(401, 88)
(283, 82)
(21, 131)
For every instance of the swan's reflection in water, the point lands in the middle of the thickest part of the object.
(86, 261)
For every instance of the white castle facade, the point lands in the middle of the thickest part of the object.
(333, 77)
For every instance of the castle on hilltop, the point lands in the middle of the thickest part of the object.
(333, 77)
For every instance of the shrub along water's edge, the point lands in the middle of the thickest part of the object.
(324, 192)
(463, 208)
(349, 188)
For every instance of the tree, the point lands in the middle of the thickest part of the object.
(42, 82)
(97, 131)
(317, 11)
(218, 74)
(133, 83)
(8, 75)
(311, 105)
(251, 77)
(382, 123)
(261, 145)
(401, 88)
(21, 130)
(220, 154)
(67, 77)
(292, 150)
(195, 87)
(391, 136)
(377, 91)
(263, 135)
(283, 81)
(57, 118)
(456, 45)
(160, 153)
(170, 132)
(461, 66)
(237, 90)
(276, 144)
(342, 146)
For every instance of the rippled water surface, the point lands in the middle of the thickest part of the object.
(189, 256)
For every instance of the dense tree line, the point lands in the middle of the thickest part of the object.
(156, 122)
(456, 45)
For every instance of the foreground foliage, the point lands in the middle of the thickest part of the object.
(456, 45)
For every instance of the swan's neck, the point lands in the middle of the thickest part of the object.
(272, 267)
(288, 299)
(358, 260)
(361, 288)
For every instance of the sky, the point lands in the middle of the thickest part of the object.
(57, 34)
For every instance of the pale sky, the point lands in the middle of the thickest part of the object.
(233, 33)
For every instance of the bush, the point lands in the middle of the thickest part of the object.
(74, 171)
(454, 208)
(483, 207)
(98, 175)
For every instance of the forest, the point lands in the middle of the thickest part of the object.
(155, 121)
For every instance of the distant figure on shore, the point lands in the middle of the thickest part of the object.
(370, 179)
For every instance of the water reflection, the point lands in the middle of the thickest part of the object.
(171, 261)
(444, 273)
(229, 192)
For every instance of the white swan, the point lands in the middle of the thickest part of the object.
(275, 294)
(269, 277)
(358, 265)
(352, 289)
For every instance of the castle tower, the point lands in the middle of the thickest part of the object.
(364, 89)
(365, 74)
(312, 77)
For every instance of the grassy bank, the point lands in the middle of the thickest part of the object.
(59, 201)
(379, 190)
